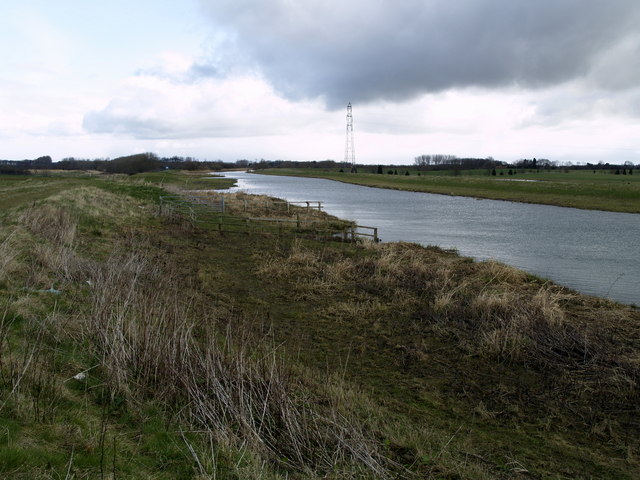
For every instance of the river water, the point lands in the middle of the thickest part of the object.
(593, 252)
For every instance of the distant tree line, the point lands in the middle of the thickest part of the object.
(543, 163)
(608, 166)
(447, 162)
(22, 167)
(145, 162)
(451, 162)
(330, 164)
(130, 164)
(141, 162)
(535, 163)
(9, 167)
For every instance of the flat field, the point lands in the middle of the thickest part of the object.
(575, 188)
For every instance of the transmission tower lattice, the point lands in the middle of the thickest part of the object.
(349, 152)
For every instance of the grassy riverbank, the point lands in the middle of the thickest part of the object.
(577, 188)
(134, 345)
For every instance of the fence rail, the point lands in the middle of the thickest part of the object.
(210, 212)
(216, 204)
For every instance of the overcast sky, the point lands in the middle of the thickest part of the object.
(232, 79)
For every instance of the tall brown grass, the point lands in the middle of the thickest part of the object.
(50, 222)
(263, 206)
(8, 254)
(492, 310)
(157, 340)
(214, 372)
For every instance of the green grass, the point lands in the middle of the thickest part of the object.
(577, 188)
(16, 190)
(443, 367)
(186, 180)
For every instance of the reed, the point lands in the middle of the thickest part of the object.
(152, 342)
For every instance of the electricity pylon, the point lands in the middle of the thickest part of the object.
(349, 152)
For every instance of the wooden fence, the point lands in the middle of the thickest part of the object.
(210, 213)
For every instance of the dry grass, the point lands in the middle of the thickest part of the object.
(263, 206)
(51, 223)
(490, 310)
(51, 257)
(513, 327)
(512, 318)
(501, 274)
(9, 252)
(350, 311)
(154, 342)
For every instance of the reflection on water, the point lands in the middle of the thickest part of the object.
(593, 252)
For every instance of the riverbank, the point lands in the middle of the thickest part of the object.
(135, 345)
(588, 250)
(577, 189)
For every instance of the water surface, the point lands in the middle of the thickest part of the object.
(594, 252)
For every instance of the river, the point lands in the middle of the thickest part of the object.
(593, 252)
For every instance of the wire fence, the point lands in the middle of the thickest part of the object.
(210, 213)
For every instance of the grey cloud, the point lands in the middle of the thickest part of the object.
(141, 127)
(197, 71)
(145, 128)
(367, 50)
(106, 121)
(121, 119)
(201, 70)
(565, 106)
(617, 68)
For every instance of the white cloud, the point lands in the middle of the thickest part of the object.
(163, 106)
(251, 79)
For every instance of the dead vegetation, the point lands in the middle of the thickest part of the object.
(151, 338)
(217, 376)
(262, 206)
(585, 350)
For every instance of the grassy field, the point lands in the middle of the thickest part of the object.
(186, 180)
(133, 345)
(16, 190)
(575, 188)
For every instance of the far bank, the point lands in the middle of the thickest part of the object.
(577, 189)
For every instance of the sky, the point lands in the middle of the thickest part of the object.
(253, 79)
